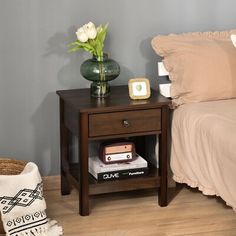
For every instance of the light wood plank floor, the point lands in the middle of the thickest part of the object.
(138, 214)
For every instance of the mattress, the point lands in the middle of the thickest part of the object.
(203, 152)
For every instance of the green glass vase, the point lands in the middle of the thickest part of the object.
(100, 72)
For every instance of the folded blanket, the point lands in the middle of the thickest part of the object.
(23, 206)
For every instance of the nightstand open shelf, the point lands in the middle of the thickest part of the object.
(93, 119)
(152, 180)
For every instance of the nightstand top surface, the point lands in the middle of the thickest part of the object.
(119, 98)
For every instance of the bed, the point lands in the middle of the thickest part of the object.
(203, 151)
(202, 70)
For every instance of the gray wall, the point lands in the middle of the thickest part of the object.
(34, 62)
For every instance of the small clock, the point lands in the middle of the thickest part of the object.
(139, 88)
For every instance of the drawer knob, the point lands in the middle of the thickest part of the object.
(126, 123)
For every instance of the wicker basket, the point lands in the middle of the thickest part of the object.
(10, 167)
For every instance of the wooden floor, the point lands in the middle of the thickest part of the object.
(137, 213)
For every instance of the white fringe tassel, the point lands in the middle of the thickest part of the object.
(54, 229)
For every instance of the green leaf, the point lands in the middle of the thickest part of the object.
(74, 49)
(103, 33)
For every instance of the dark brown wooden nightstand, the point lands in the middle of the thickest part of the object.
(104, 119)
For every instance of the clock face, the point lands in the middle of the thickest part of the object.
(139, 88)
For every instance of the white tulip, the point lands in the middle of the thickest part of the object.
(81, 35)
(90, 30)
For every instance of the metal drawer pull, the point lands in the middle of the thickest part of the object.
(126, 123)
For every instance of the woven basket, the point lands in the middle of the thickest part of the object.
(10, 167)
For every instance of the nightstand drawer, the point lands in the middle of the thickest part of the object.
(124, 122)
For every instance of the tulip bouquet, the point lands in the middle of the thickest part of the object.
(90, 38)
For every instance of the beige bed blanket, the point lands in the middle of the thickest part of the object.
(203, 150)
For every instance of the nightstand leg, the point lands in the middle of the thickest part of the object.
(64, 143)
(163, 160)
(83, 166)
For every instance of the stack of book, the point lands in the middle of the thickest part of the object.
(101, 171)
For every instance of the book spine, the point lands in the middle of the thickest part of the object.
(119, 168)
(122, 174)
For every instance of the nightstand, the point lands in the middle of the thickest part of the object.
(116, 116)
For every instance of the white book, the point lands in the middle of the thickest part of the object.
(120, 174)
(97, 166)
(165, 89)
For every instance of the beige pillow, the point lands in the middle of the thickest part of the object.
(201, 66)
